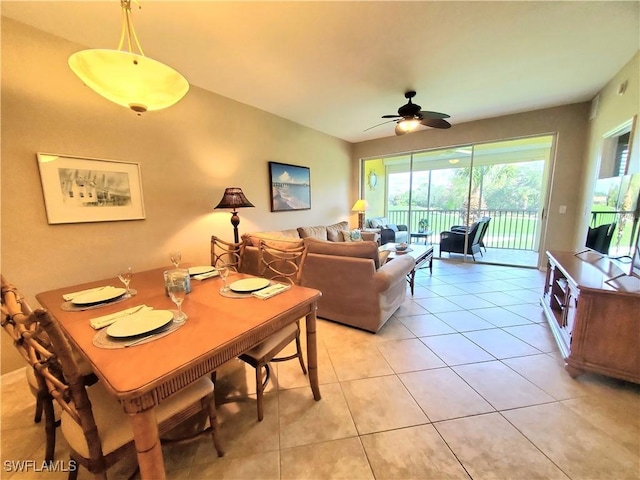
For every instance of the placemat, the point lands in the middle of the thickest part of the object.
(232, 294)
(72, 307)
(102, 340)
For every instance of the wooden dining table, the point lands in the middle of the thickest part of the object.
(217, 330)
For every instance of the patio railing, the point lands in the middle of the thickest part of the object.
(512, 229)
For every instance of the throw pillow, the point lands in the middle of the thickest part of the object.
(384, 254)
(377, 222)
(392, 226)
(351, 235)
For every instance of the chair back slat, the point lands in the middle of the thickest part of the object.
(227, 252)
(17, 321)
(283, 265)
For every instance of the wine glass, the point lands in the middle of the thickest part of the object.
(177, 290)
(223, 271)
(125, 277)
(175, 257)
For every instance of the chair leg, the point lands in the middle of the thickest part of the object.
(50, 425)
(73, 472)
(260, 384)
(299, 350)
(38, 415)
(213, 420)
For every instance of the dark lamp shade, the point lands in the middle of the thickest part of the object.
(234, 198)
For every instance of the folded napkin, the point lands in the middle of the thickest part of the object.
(269, 292)
(70, 296)
(106, 320)
(203, 276)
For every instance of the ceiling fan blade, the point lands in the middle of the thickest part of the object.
(399, 130)
(435, 123)
(391, 116)
(427, 114)
(383, 123)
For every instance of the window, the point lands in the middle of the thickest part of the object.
(618, 157)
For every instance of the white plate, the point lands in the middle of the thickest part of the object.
(248, 285)
(200, 270)
(97, 296)
(139, 323)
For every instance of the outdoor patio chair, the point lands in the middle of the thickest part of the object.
(485, 227)
(454, 241)
(599, 238)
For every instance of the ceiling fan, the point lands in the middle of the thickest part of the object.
(410, 116)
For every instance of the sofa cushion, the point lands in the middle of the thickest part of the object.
(345, 249)
(392, 226)
(273, 239)
(334, 231)
(319, 232)
(292, 232)
(351, 235)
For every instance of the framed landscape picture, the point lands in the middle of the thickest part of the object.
(290, 187)
(80, 189)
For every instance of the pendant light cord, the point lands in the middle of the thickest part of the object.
(128, 30)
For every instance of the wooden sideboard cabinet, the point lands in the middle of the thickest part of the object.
(596, 325)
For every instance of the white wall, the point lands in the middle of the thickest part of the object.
(188, 154)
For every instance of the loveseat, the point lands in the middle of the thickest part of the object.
(356, 289)
(389, 232)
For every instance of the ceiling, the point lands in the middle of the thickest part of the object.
(338, 66)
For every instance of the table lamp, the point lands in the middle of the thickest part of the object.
(360, 206)
(233, 198)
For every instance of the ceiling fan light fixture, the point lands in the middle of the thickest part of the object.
(409, 125)
(410, 116)
(127, 78)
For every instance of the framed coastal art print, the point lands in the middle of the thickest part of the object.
(78, 189)
(290, 187)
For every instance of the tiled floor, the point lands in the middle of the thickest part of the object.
(495, 255)
(465, 381)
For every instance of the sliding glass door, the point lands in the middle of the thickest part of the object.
(499, 184)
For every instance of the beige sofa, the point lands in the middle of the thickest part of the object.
(356, 289)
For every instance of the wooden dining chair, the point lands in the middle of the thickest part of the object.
(229, 253)
(15, 310)
(285, 266)
(92, 421)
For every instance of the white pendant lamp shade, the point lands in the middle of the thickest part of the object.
(128, 78)
(133, 81)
